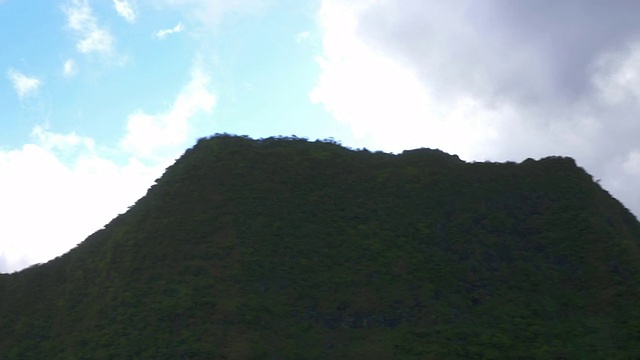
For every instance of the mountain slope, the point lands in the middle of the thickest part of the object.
(287, 249)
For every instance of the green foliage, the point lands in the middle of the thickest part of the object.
(282, 248)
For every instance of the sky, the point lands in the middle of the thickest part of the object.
(98, 97)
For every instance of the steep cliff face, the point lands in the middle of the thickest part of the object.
(283, 248)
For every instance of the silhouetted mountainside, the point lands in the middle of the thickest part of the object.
(289, 249)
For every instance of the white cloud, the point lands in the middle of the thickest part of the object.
(161, 34)
(59, 188)
(92, 36)
(125, 9)
(63, 183)
(485, 83)
(10, 264)
(53, 141)
(69, 68)
(48, 206)
(157, 135)
(23, 84)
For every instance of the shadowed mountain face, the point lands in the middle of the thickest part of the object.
(288, 249)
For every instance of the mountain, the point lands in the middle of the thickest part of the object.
(283, 248)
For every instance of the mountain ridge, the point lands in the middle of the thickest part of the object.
(286, 248)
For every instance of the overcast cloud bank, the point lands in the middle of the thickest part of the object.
(493, 80)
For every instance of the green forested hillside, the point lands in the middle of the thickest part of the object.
(289, 249)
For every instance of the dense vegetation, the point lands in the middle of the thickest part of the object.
(290, 249)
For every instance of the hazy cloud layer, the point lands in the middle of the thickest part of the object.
(302, 36)
(491, 80)
(210, 12)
